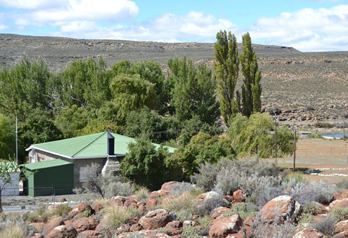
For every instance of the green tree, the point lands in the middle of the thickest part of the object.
(251, 88)
(151, 125)
(7, 137)
(253, 135)
(202, 148)
(22, 86)
(131, 93)
(83, 83)
(145, 163)
(71, 120)
(226, 67)
(194, 91)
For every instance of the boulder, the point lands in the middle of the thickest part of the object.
(90, 234)
(151, 203)
(159, 193)
(85, 223)
(56, 221)
(39, 226)
(135, 227)
(339, 203)
(130, 203)
(238, 196)
(225, 226)
(339, 196)
(342, 226)
(154, 219)
(98, 207)
(309, 233)
(62, 231)
(118, 200)
(168, 185)
(280, 209)
(219, 212)
(174, 228)
(82, 207)
(123, 228)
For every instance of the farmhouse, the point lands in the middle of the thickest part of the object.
(105, 149)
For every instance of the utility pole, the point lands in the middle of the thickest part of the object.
(294, 129)
(275, 138)
(16, 140)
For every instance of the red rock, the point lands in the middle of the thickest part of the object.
(279, 209)
(118, 200)
(249, 221)
(189, 223)
(339, 203)
(123, 228)
(101, 226)
(81, 208)
(174, 228)
(98, 207)
(141, 207)
(225, 226)
(309, 233)
(219, 212)
(342, 226)
(163, 193)
(340, 196)
(168, 185)
(62, 231)
(85, 223)
(130, 203)
(154, 219)
(343, 234)
(90, 234)
(133, 220)
(135, 227)
(154, 194)
(39, 226)
(151, 203)
(57, 221)
(36, 236)
(319, 217)
(229, 198)
(238, 196)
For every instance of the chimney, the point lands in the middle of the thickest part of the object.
(111, 143)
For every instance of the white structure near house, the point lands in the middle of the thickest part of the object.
(10, 188)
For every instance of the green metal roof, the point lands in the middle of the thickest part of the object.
(89, 146)
(46, 164)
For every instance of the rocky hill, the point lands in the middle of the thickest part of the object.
(300, 87)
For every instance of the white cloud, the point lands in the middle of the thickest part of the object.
(32, 4)
(194, 26)
(307, 30)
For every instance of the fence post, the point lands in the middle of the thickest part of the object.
(54, 194)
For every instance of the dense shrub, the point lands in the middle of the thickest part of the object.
(179, 188)
(183, 202)
(244, 210)
(305, 192)
(343, 184)
(340, 214)
(210, 204)
(116, 215)
(326, 226)
(191, 232)
(274, 230)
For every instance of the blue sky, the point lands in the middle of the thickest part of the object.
(308, 25)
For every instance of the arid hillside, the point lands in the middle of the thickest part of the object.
(301, 87)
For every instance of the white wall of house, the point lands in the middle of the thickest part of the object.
(12, 188)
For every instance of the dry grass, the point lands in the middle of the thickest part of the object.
(13, 231)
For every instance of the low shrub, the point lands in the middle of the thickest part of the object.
(14, 231)
(244, 210)
(183, 202)
(307, 192)
(311, 208)
(183, 215)
(142, 195)
(264, 229)
(63, 210)
(179, 188)
(343, 184)
(210, 204)
(118, 189)
(326, 226)
(205, 223)
(116, 215)
(340, 214)
(190, 232)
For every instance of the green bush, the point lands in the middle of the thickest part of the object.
(62, 210)
(191, 232)
(116, 215)
(244, 210)
(326, 226)
(340, 214)
(343, 184)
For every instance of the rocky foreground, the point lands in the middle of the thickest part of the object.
(278, 218)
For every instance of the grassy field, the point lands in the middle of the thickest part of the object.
(328, 159)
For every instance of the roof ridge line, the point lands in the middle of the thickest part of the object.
(87, 145)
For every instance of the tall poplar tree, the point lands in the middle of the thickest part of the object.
(226, 67)
(251, 89)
